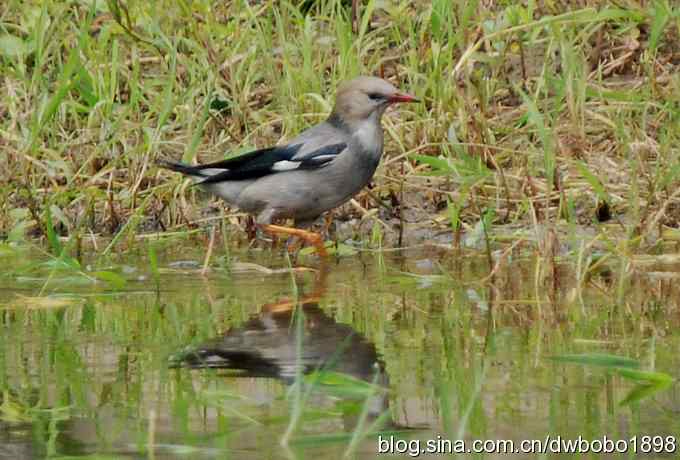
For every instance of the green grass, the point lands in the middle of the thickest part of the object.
(561, 109)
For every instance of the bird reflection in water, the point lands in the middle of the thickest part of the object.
(268, 345)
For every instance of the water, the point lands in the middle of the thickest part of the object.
(416, 346)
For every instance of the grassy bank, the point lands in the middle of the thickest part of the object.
(545, 119)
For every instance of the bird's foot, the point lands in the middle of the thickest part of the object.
(310, 237)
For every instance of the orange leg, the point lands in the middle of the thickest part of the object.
(293, 246)
(310, 237)
(328, 221)
(313, 298)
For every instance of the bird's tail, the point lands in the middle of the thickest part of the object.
(183, 168)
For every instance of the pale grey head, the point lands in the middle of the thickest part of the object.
(363, 98)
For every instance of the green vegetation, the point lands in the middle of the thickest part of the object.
(555, 117)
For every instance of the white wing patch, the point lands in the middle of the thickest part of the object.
(324, 158)
(211, 171)
(285, 165)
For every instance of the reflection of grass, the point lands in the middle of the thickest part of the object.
(464, 359)
(647, 382)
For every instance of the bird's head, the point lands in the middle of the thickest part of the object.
(365, 97)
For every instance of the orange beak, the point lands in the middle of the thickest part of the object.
(402, 97)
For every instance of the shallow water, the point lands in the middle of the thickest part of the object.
(413, 345)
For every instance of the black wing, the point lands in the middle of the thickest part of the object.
(251, 164)
(269, 161)
(255, 160)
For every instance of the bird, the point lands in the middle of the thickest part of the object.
(316, 171)
(268, 345)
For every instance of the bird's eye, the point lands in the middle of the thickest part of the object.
(375, 96)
